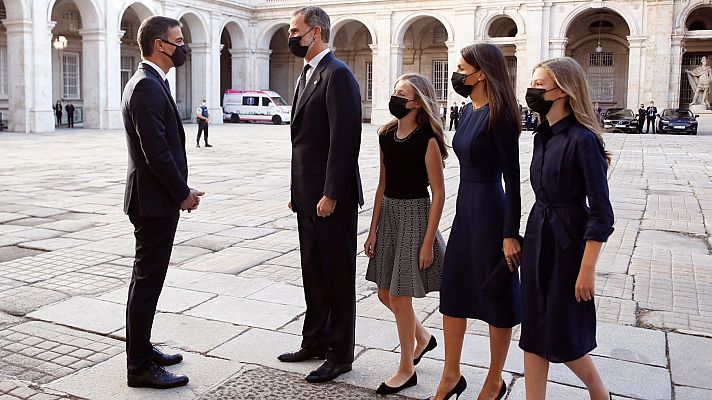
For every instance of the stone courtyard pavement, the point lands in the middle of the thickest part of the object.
(233, 298)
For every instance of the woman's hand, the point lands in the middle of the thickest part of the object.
(585, 284)
(370, 246)
(512, 252)
(425, 255)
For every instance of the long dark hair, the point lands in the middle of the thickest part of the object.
(489, 59)
(428, 114)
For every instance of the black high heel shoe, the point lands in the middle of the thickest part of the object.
(432, 343)
(385, 389)
(502, 391)
(458, 389)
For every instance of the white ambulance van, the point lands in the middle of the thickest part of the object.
(255, 106)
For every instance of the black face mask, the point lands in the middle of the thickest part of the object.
(536, 102)
(397, 107)
(458, 84)
(295, 46)
(179, 55)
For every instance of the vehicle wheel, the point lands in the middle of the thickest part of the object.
(277, 120)
(694, 132)
(234, 118)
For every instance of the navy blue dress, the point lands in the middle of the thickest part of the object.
(568, 167)
(484, 215)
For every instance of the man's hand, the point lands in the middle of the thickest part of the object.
(325, 207)
(191, 202)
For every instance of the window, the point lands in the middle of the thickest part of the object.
(71, 21)
(369, 80)
(440, 79)
(127, 70)
(250, 101)
(512, 69)
(3, 72)
(128, 29)
(266, 101)
(600, 73)
(70, 76)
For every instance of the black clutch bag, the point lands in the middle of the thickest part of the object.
(500, 276)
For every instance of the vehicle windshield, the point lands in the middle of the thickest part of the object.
(279, 101)
(621, 114)
(677, 114)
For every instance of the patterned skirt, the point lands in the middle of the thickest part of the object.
(401, 229)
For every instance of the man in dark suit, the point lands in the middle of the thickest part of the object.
(651, 112)
(454, 115)
(156, 191)
(70, 114)
(325, 194)
(641, 117)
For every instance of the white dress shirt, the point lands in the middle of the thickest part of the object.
(314, 62)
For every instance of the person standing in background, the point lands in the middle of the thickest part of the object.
(642, 113)
(651, 112)
(58, 112)
(70, 114)
(203, 118)
(454, 115)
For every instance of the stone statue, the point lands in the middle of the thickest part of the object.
(700, 79)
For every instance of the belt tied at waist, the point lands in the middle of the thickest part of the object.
(557, 225)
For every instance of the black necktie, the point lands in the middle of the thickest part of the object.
(167, 85)
(303, 81)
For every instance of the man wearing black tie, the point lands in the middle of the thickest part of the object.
(454, 115)
(325, 194)
(651, 112)
(156, 191)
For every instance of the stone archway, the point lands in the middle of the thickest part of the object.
(697, 41)
(351, 43)
(598, 40)
(192, 78)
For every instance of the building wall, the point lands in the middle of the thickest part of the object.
(649, 41)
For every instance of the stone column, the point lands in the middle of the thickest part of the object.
(386, 63)
(39, 78)
(111, 109)
(93, 79)
(240, 59)
(676, 51)
(260, 71)
(557, 47)
(524, 73)
(213, 93)
(19, 69)
(200, 75)
(453, 57)
(636, 71)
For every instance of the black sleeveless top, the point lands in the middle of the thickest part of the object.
(404, 160)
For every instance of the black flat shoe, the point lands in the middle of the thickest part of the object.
(502, 391)
(328, 371)
(385, 389)
(157, 378)
(302, 355)
(164, 359)
(432, 343)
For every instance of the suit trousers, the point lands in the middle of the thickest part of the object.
(328, 257)
(651, 121)
(154, 243)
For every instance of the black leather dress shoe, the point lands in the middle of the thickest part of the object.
(157, 378)
(302, 355)
(328, 371)
(164, 359)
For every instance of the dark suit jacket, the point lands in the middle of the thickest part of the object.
(454, 112)
(652, 112)
(157, 177)
(326, 137)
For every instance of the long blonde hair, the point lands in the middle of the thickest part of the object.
(427, 113)
(570, 78)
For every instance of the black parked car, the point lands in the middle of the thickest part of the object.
(677, 121)
(620, 120)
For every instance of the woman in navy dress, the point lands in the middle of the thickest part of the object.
(563, 235)
(486, 220)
